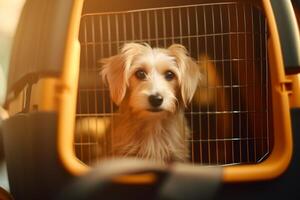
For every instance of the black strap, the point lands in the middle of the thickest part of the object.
(191, 182)
(177, 181)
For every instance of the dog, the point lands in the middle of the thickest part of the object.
(152, 87)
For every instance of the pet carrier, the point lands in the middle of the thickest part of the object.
(241, 117)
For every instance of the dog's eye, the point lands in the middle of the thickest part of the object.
(140, 74)
(169, 75)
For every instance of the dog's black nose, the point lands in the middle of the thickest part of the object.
(155, 100)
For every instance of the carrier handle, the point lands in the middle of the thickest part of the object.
(288, 33)
(175, 181)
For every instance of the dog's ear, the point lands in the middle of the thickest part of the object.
(189, 70)
(115, 70)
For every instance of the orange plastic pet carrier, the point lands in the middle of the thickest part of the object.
(243, 117)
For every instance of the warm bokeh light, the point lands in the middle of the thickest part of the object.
(9, 14)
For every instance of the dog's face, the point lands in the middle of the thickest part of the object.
(151, 81)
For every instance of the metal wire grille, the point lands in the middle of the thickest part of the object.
(229, 116)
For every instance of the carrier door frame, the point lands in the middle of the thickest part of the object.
(272, 167)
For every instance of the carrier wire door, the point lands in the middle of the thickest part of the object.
(230, 114)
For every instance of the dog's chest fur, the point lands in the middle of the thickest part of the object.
(162, 140)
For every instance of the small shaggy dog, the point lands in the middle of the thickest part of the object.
(151, 86)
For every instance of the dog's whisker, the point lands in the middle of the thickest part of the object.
(176, 102)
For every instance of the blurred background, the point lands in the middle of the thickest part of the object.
(9, 15)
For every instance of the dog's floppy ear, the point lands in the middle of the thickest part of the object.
(189, 70)
(115, 70)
